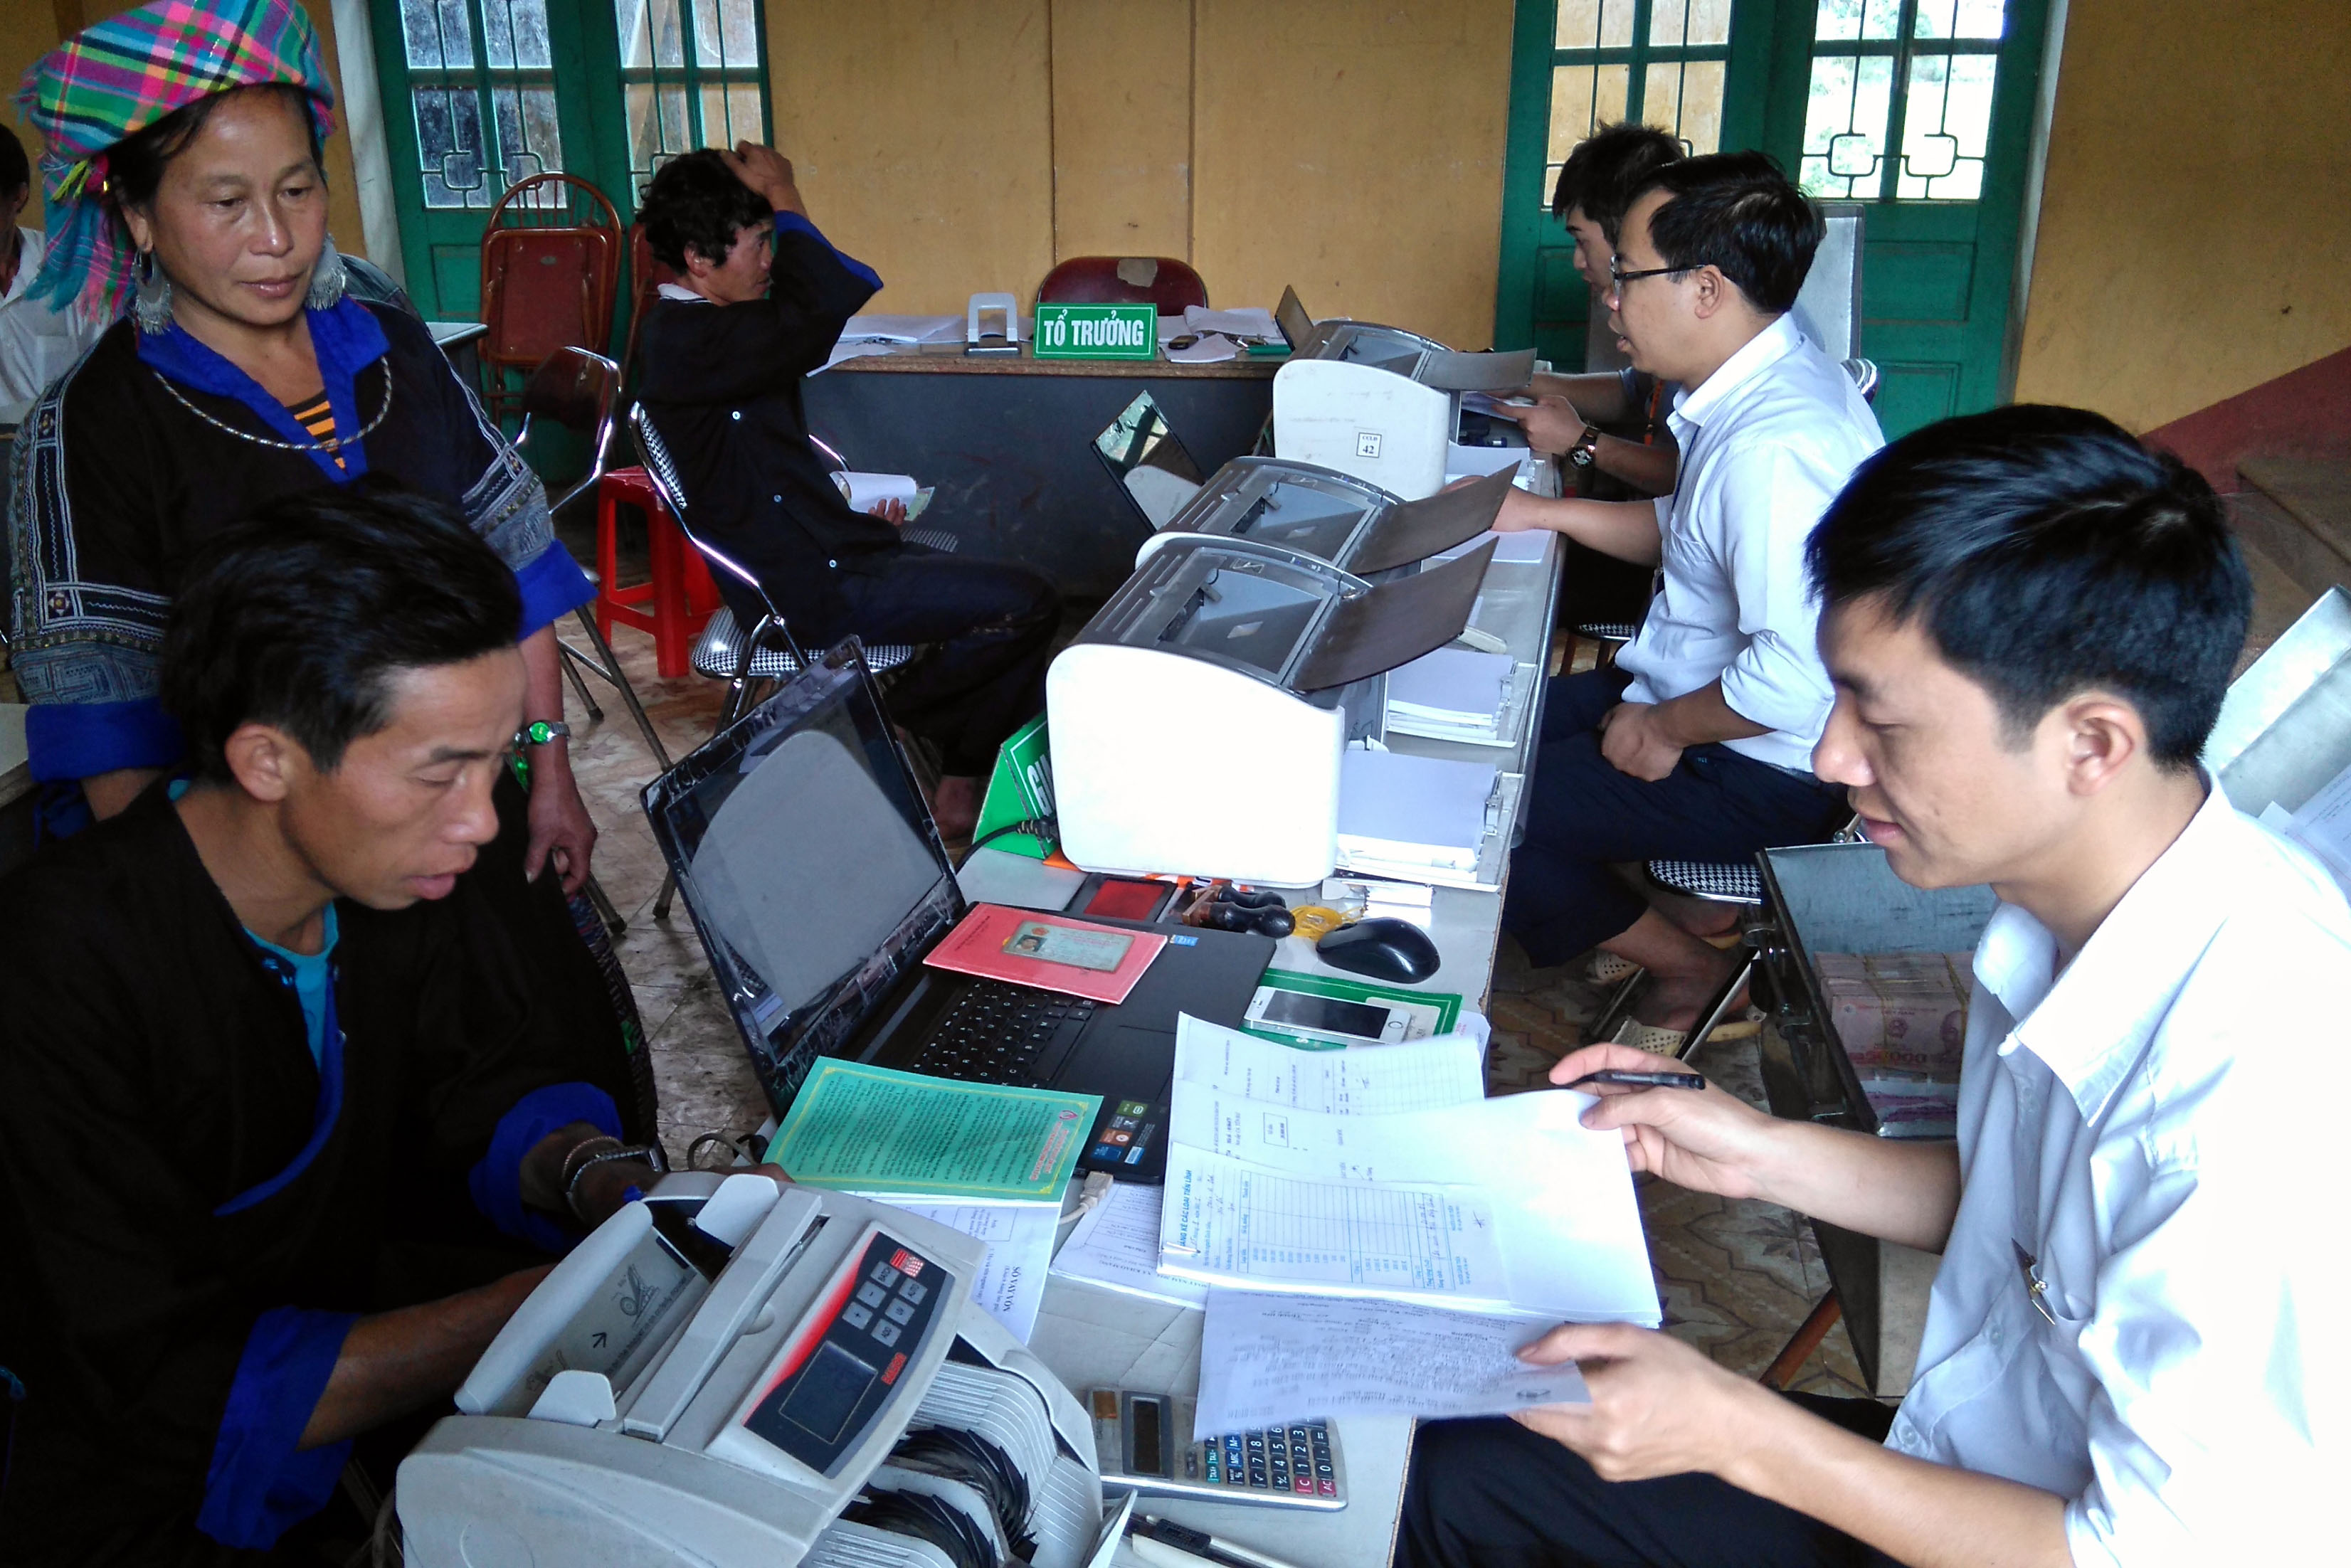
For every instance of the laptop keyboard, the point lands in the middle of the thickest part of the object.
(996, 1033)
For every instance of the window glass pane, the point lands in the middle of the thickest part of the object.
(1844, 19)
(528, 134)
(449, 146)
(1686, 99)
(1689, 22)
(1582, 98)
(1844, 125)
(731, 114)
(1595, 24)
(725, 33)
(1958, 19)
(1980, 19)
(652, 34)
(436, 34)
(514, 33)
(657, 125)
(1944, 126)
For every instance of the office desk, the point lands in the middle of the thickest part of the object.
(1008, 443)
(1095, 1338)
(459, 343)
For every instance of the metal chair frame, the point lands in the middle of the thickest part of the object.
(542, 398)
(770, 653)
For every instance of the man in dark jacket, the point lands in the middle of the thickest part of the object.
(763, 298)
(272, 1082)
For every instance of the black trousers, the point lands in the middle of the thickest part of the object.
(995, 620)
(1715, 805)
(1491, 1494)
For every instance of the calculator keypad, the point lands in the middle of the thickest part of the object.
(1295, 1459)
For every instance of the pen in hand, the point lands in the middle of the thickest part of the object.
(1642, 1080)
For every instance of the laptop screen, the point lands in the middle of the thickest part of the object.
(809, 861)
(1143, 453)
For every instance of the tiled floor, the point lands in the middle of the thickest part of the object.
(1736, 1277)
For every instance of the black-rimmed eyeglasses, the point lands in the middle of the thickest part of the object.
(1618, 277)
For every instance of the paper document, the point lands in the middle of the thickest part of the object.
(1365, 1080)
(1224, 1222)
(1263, 1154)
(1117, 1245)
(1249, 322)
(881, 329)
(873, 1131)
(1476, 462)
(1401, 810)
(1019, 1237)
(1524, 548)
(2322, 827)
(1269, 1361)
(1048, 952)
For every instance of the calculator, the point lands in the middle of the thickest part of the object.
(1144, 1443)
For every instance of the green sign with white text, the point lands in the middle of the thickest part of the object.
(1096, 332)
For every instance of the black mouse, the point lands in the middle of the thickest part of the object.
(1385, 948)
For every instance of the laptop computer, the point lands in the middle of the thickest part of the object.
(818, 882)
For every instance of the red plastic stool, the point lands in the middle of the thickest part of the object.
(681, 594)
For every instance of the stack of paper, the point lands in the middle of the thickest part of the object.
(1418, 818)
(891, 334)
(1409, 1187)
(1269, 1361)
(1524, 548)
(985, 1159)
(1117, 1246)
(1457, 694)
(2323, 826)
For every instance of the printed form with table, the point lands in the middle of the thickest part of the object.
(1144, 1185)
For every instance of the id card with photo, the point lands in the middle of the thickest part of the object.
(1103, 951)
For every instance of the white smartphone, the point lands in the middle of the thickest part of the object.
(1328, 1017)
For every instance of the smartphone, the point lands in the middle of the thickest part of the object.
(1328, 1017)
(1145, 1443)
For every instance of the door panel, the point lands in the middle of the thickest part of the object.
(1827, 86)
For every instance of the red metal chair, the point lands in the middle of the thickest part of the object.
(1161, 281)
(551, 272)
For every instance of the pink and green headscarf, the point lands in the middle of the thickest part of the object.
(114, 80)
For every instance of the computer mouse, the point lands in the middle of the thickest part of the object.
(1385, 948)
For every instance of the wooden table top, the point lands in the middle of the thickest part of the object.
(948, 359)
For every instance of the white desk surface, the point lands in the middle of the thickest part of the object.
(15, 763)
(449, 334)
(1095, 1338)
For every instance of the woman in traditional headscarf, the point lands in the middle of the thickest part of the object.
(182, 173)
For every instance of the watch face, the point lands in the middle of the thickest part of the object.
(1581, 457)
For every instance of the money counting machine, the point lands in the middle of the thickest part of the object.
(1199, 721)
(734, 1372)
(1352, 523)
(1383, 403)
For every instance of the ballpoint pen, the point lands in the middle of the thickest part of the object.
(1642, 1080)
(1180, 1546)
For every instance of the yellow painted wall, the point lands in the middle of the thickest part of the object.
(1352, 148)
(31, 28)
(922, 134)
(2196, 221)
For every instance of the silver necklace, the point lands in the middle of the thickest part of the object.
(331, 443)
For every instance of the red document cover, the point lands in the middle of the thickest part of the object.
(1050, 952)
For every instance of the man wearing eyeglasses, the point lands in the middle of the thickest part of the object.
(1697, 745)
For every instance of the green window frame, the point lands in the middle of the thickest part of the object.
(482, 98)
(692, 74)
(1913, 74)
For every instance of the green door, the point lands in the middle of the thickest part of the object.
(1699, 68)
(479, 94)
(1827, 86)
(1951, 83)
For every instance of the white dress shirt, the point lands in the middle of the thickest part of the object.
(2156, 1128)
(37, 344)
(1767, 441)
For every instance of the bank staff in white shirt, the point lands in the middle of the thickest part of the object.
(37, 343)
(2132, 1353)
(1697, 745)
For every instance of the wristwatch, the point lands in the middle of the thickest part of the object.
(539, 731)
(1581, 454)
